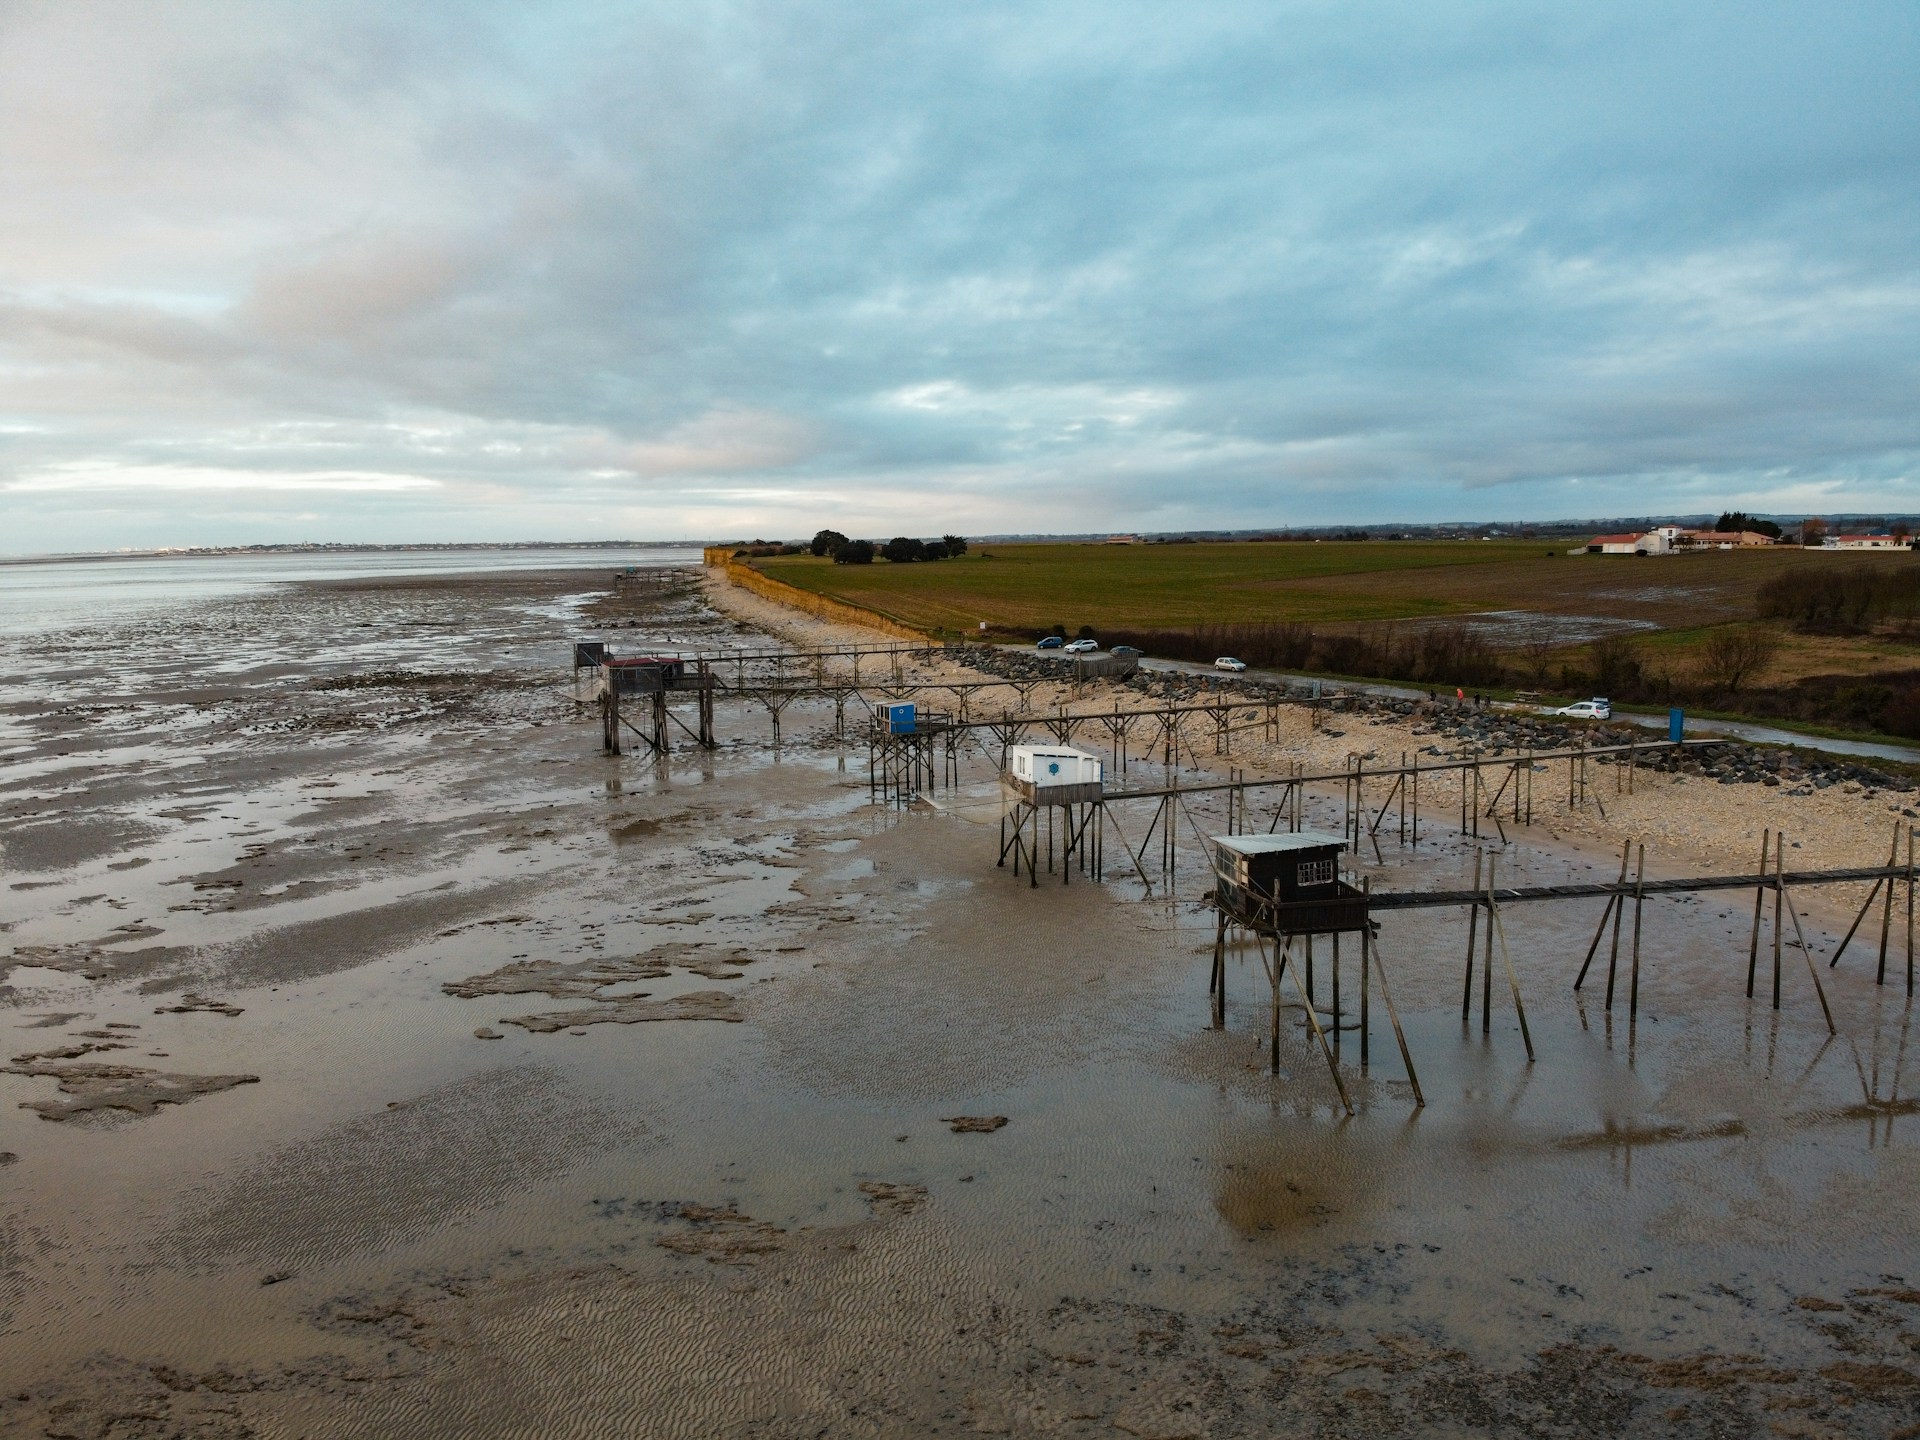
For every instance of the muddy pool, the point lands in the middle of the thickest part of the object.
(380, 1058)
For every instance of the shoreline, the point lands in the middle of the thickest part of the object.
(205, 552)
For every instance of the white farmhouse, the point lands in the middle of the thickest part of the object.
(1653, 542)
(1866, 542)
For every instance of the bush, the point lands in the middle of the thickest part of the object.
(903, 550)
(1861, 704)
(854, 552)
(1901, 714)
(1615, 665)
(1838, 597)
(1732, 657)
(1426, 654)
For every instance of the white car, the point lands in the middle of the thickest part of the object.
(1595, 709)
(1227, 662)
(1081, 647)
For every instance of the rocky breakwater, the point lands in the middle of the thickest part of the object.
(1731, 762)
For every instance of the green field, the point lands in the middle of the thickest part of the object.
(1348, 596)
(1024, 590)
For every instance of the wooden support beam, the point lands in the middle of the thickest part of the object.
(1473, 930)
(1639, 900)
(1217, 982)
(1779, 892)
(1494, 922)
(1313, 1021)
(1370, 945)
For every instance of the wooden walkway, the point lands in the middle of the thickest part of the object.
(1508, 895)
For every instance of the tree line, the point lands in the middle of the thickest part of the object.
(900, 550)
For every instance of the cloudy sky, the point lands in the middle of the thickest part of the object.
(466, 271)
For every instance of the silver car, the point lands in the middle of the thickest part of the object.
(1595, 709)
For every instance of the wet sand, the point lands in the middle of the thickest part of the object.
(619, 1097)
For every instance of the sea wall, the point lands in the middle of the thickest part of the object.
(740, 573)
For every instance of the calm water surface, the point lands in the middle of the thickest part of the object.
(53, 594)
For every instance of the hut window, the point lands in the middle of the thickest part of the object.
(1314, 872)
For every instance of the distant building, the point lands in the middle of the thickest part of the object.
(1671, 539)
(1722, 539)
(1123, 540)
(1650, 543)
(1866, 542)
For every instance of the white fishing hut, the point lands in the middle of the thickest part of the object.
(1053, 775)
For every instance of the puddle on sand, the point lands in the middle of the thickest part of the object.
(1510, 629)
(403, 1219)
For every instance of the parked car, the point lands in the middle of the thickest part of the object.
(1126, 652)
(1595, 709)
(1227, 662)
(1081, 647)
(1050, 642)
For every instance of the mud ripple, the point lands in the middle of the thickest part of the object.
(399, 1173)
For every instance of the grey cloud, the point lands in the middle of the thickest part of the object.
(727, 264)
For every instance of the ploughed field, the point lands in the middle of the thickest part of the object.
(1025, 589)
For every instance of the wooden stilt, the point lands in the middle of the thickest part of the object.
(1473, 924)
(1494, 922)
(1779, 891)
(1336, 990)
(1886, 914)
(1812, 969)
(1845, 940)
(1279, 964)
(1313, 1020)
(1759, 899)
(1619, 913)
(1370, 945)
(1486, 969)
(610, 711)
(1366, 1019)
(1217, 982)
(1599, 934)
(1639, 899)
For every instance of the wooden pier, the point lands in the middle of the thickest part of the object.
(1063, 829)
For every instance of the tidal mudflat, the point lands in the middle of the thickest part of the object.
(382, 1059)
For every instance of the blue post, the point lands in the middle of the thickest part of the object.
(1676, 725)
